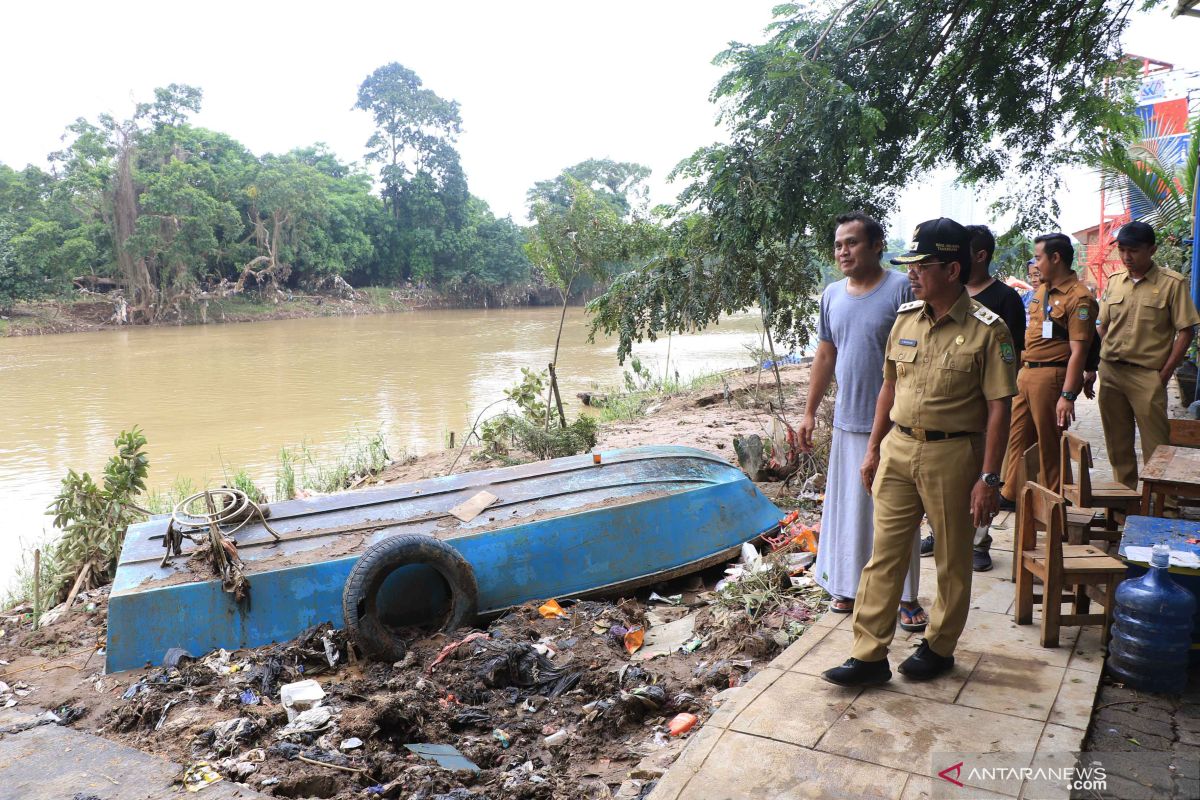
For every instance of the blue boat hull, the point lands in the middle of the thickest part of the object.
(561, 528)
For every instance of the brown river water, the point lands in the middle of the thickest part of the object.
(215, 399)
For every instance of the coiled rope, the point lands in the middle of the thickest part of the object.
(237, 508)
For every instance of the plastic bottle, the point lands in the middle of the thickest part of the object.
(681, 724)
(1152, 629)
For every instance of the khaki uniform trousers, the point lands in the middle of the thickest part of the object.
(1128, 395)
(914, 479)
(1033, 420)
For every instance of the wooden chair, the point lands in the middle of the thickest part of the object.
(1082, 569)
(1115, 500)
(1184, 433)
(1081, 522)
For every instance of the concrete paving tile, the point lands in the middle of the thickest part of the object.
(832, 619)
(699, 745)
(797, 708)
(748, 692)
(835, 649)
(1057, 751)
(920, 787)
(745, 767)
(1015, 682)
(987, 631)
(797, 649)
(904, 732)
(1077, 695)
(992, 594)
(1088, 654)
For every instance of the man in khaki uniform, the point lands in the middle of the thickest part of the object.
(1146, 326)
(948, 379)
(1062, 322)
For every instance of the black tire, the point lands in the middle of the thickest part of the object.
(359, 598)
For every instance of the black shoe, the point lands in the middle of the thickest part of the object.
(927, 546)
(857, 673)
(1006, 504)
(925, 664)
(981, 561)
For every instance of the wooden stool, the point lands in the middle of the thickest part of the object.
(1082, 569)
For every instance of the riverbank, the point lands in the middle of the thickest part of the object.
(613, 724)
(99, 312)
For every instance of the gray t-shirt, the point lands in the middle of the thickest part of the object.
(858, 327)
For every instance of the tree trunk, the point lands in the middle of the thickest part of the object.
(125, 215)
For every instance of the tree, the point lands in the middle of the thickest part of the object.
(619, 184)
(414, 127)
(580, 240)
(839, 109)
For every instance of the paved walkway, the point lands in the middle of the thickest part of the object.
(789, 734)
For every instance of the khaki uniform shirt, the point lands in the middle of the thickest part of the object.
(1143, 317)
(1070, 305)
(947, 369)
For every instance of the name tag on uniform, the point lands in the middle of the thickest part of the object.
(909, 342)
(1047, 330)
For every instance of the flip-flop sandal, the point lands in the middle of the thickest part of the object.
(909, 613)
(846, 607)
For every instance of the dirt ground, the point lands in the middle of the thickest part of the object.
(542, 707)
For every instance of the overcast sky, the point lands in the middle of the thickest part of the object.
(542, 85)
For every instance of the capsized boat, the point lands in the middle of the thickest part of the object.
(568, 527)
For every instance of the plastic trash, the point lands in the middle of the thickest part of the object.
(173, 657)
(311, 721)
(681, 724)
(446, 756)
(551, 609)
(633, 639)
(503, 738)
(200, 776)
(300, 697)
(353, 743)
(556, 739)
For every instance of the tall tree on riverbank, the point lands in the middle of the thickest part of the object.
(619, 184)
(840, 109)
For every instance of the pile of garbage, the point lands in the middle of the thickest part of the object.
(561, 699)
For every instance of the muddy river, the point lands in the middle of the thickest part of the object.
(215, 399)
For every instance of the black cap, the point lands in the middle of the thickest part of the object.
(938, 237)
(1135, 233)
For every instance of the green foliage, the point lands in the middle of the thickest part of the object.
(621, 185)
(299, 469)
(241, 481)
(93, 517)
(172, 210)
(840, 109)
(1130, 166)
(529, 430)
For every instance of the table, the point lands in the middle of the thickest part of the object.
(1171, 471)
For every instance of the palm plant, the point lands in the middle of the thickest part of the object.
(1152, 172)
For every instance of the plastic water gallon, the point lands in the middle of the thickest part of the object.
(1152, 629)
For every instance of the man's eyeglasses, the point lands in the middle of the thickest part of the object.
(922, 266)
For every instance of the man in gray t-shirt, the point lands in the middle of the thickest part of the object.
(856, 315)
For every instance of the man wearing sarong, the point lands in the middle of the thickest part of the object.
(856, 315)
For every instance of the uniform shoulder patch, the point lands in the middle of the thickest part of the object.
(983, 314)
(912, 306)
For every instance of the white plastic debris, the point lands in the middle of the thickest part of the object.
(353, 743)
(311, 721)
(300, 696)
(556, 739)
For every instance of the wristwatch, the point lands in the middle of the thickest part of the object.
(991, 479)
(1070, 396)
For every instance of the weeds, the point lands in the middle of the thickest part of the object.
(533, 429)
(642, 388)
(299, 470)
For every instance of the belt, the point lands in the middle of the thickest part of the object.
(1037, 364)
(922, 435)
(1125, 363)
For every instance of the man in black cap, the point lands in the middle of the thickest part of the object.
(1146, 326)
(1002, 299)
(948, 364)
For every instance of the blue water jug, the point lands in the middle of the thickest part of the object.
(1152, 629)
